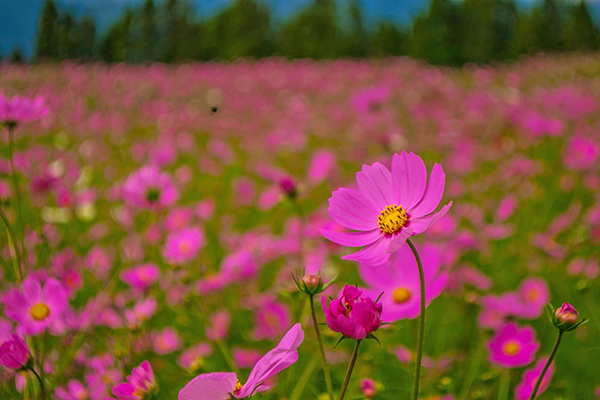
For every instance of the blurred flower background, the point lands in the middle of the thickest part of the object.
(165, 169)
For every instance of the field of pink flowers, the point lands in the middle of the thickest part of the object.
(161, 223)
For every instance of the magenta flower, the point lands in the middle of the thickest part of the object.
(35, 308)
(398, 280)
(566, 316)
(224, 385)
(387, 208)
(530, 376)
(534, 294)
(75, 390)
(14, 353)
(149, 187)
(166, 341)
(141, 277)
(368, 388)
(513, 346)
(351, 315)
(183, 246)
(140, 384)
(19, 109)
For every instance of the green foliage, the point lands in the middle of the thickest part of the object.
(450, 32)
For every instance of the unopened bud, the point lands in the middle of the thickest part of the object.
(288, 186)
(566, 315)
(311, 281)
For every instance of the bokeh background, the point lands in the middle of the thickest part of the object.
(504, 94)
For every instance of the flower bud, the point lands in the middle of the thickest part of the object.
(14, 353)
(566, 315)
(368, 388)
(311, 281)
(288, 186)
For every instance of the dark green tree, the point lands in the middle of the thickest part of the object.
(312, 33)
(84, 38)
(66, 46)
(16, 56)
(47, 35)
(388, 40)
(241, 30)
(505, 24)
(478, 33)
(358, 38)
(116, 46)
(580, 32)
(149, 34)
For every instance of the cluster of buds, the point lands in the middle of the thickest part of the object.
(565, 318)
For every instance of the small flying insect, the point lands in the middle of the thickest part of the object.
(214, 109)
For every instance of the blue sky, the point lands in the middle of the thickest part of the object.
(18, 18)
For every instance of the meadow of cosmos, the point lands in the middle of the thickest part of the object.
(173, 232)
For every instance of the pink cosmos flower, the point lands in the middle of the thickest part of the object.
(224, 385)
(496, 309)
(580, 154)
(530, 377)
(14, 353)
(139, 384)
(387, 208)
(19, 109)
(270, 318)
(183, 246)
(513, 346)
(166, 341)
(75, 390)
(398, 280)
(218, 328)
(534, 294)
(193, 358)
(368, 387)
(35, 308)
(245, 358)
(352, 315)
(141, 277)
(149, 187)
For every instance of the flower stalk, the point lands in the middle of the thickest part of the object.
(421, 338)
(548, 363)
(326, 370)
(349, 371)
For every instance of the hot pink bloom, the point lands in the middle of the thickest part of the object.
(183, 246)
(219, 325)
(352, 315)
(165, 341)
(193, 357)
(223, 385)
(35, 308)
(496, 309)
(530, 377)
(141, 277)
(75, 390)
(14, 353)
(368, 388)
(149, 187)
(245, 358)
(398, 280)
(388, 208)
(580, 154)
(270, 318)
(19, 109)
(140, 384)
(513, 346)
(534, 294)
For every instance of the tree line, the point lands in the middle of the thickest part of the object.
(448, 33)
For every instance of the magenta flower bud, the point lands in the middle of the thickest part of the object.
(288, 186)
(351, 315)
(14, 353)
(566, 315)
(368, 388)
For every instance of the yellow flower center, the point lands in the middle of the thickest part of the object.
(184, 247)
(401, 295)
(392, 219)
(511, 348)
(238, 387)
(532, 295)
(39, 311)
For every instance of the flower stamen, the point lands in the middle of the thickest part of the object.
(39, 311)
(392, 219)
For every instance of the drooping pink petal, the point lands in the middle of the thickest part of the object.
(375, 183)
(399, 239)
(215, 386)
(433, 194)
(421, 224)
(374, 254)
(409, 178)
(352, 239)
(276, 360)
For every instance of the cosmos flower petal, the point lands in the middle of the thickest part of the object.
(32, 290)
(353, 239)
(419, 225)
(215, 386)
(375, 183)
(409, 178)
(433, 193)
(373, 254)
(399, 239)
(351, 209)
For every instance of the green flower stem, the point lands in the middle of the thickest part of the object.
(326, 371)
(304, 378)
(550, 359)
(421, 339)
(350, 369)
(16, 258)
(504, 385)
(42, 388)
(17, 192)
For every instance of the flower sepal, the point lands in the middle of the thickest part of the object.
(312, 284)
